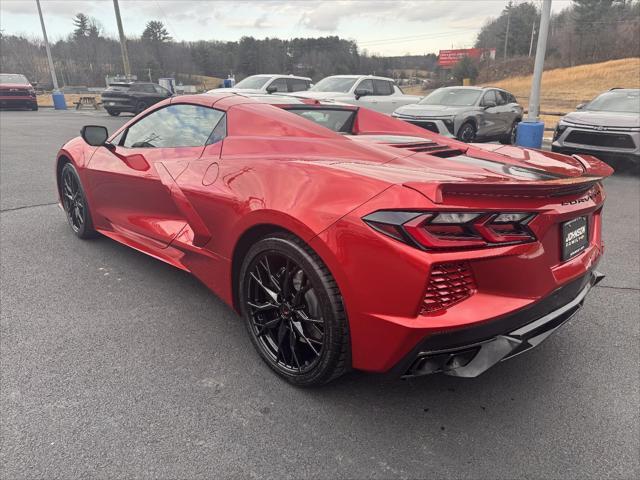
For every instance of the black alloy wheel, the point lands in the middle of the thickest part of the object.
(74, 203)
(293, 311)
(467, 132)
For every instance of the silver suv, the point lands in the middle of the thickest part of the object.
(609, 125)
(469, 113)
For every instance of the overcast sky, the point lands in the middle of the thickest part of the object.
(389, 27)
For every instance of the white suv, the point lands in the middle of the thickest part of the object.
(377, 93)
(269, 84)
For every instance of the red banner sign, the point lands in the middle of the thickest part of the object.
(448, 58)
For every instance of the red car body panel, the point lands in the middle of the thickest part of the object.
(17, 94)
(190, 207)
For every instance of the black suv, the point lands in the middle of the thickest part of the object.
(132, 97)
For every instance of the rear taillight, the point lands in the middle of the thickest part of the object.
(442, 230)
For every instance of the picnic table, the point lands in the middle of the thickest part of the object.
(87, 101)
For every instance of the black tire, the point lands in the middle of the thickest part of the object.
(467, 132)
(510, 137)
(307, 308)
(113, 113)
(74, 202)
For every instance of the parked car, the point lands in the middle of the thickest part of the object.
(132, 97)
(269, 84)
(471, 114)
(346, 238)
(16, 91)
(609, 125)
(376, 93)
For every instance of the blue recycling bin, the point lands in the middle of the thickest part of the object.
(529, 134)
(58, 100)
(227, 83)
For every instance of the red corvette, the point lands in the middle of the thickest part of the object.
(346, 238)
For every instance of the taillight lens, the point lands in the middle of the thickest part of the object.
(447, 230)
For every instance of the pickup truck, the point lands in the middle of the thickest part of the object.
(376, 93)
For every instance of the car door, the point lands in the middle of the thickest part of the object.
(280, 85)
(131, 186)
(297, 84)
(370, 100)
(511, 110)
(387, 101)
(490, 125)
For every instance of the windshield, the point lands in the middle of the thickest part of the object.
(13, 78)
(452, 97)
(337, 120)
(627, 102)
(334, 84)
(255, 82)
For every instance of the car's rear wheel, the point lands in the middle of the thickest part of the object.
(113, 113)
(467, 132)
(293, 311)
(510, 137)
(75, 203)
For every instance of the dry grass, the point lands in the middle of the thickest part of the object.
(564, 88)
(70, 98)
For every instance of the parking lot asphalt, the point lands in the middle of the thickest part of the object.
(113, 364)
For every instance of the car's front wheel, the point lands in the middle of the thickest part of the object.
(113, 113)
(467, 132)
(75, 203)
(293, 311)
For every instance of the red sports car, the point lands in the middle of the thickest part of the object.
(346, 238)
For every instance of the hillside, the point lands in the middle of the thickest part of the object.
(564, 88)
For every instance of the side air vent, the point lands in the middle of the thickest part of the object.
(449, 283)
(432, 148)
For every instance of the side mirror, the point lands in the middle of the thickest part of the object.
(361, 92)
(581, 106)
(489, 105)
(94, 135)
(272, 89)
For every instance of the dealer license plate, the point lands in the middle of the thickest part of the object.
(575, 237)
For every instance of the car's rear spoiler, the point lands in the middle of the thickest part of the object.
(436, 191)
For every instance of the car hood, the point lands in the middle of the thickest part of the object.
(605, 119)
(21, 86)
(418, 110)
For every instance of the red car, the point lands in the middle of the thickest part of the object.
(16, 91)
(346, 238)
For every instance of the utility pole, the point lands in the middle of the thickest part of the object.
(541, 50)
(58, 97)
(533, 34)
(123, 41)
(506, 37)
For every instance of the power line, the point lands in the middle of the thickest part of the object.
(415, 37)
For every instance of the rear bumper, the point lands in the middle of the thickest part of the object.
(471, 351)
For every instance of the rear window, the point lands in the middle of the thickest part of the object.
(334, 119)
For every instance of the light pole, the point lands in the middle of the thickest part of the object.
(123, 41)
(531, 131)
(58, 96)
